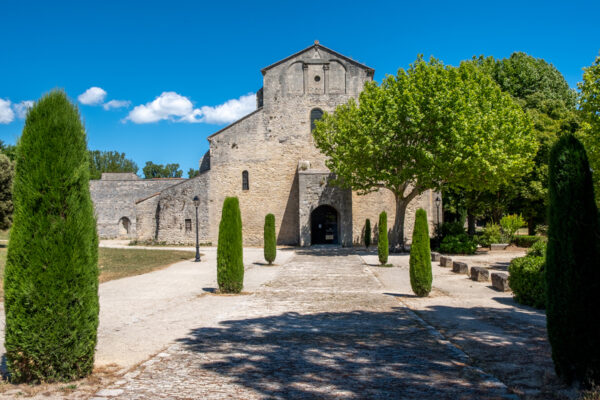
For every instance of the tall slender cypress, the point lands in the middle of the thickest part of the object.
(270, 241)
(383, 244)
(420, 256)
(51, 278)
(230, 252)
(572, 265)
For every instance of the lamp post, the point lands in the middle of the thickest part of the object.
(437, 205)
(197, 203)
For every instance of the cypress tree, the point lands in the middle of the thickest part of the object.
(230, 260)
(51, 278)
(367, 233)
(420, 256)
(382, 244)
(572, 269)
(270, 240)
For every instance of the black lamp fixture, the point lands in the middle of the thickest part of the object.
(437, 205)
(197, 204)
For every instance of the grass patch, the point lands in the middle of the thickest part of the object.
(385, 265)
(121, 263)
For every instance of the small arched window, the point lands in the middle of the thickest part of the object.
(245, 182)
(315, 114)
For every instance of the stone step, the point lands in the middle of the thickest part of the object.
(500, 281)
(445, 261)
(480, 274)
(460, 267)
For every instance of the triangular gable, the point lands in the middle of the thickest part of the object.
(316, 54)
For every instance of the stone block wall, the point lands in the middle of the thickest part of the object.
(114, 199)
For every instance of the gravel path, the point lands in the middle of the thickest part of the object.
(321, 328)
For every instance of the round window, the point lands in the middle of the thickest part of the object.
(317, 78)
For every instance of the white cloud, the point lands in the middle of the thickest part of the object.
(93, 96)
(6, 113)
(22, 107)
(116, 104)
(230, 111)
(175, 107)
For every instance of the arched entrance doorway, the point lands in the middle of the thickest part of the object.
(324, 225)
(124, 224)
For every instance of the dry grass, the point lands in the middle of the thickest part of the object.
(121, 263)
(3, 235)
(76, 390)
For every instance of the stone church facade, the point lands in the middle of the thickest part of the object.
(267, 159)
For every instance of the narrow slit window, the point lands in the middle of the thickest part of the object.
(245, 181)
(315, 115)
(188, 225)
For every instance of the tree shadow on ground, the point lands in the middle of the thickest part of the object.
(359, 354)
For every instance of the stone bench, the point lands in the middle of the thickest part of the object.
(435, 256)
(500, 281)
(460, 267)
(480, 274)
(445, 261)
(498, 246)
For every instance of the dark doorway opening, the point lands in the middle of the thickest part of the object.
(324, 225)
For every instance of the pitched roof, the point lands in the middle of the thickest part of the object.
(316, 45)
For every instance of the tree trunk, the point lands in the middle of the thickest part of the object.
(397, 234)
(530, 226)
(470, 223)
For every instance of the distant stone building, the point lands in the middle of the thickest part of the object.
(269, 161)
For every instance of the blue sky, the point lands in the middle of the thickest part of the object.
(206, 56)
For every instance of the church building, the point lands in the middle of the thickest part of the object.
(268, 160)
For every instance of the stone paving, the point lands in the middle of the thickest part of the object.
(322, 328)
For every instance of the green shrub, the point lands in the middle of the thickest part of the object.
(367, 233)
(572, 270)
(420, 256)
(458, 244)
(527, 280)
(230, 256)
(270, 239)
(51, 277)
(526, 240)
(382, 243)
(491, 234)
(452, 229)
(510, 224)
(538, 249)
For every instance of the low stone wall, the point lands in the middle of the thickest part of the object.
(115, 201)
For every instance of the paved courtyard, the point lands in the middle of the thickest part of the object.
(328, 325)
(322, 323)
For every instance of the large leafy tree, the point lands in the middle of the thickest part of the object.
(110, 161)
(152, 170)
(427, 126)
(589, 102)
(542, 91)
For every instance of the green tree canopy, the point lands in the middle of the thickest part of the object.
(9, 150)
(109, 161)
(192, 173)
(152, 170)
(589, 103)
(545, 95)
(427, 126)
